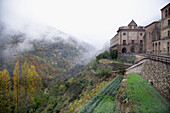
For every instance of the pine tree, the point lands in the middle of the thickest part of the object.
(5, 90)
(16, 86)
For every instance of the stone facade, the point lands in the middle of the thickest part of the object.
(128, 39)
(165, 29)
(154, 38)
(152, 33)
(156, 72)
(114, 42)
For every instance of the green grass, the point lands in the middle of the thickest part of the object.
(107, 105)
(116, 61)
(144, 97)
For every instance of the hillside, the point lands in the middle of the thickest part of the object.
(53, 72)
(54, 56)
(134, 95)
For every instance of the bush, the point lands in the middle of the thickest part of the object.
(114, 54)
(51, 103)
(122, 67)
(58, 107)
(94, 67)
(37, 102)
(46, 96)
(103, 55)
(67, 84)
(103, 72)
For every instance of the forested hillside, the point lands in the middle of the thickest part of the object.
(34, 71)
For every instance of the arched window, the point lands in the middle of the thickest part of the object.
(141, 42)
(124, 50)
(159, 43)
(156, 44)
(124, 42)
(166, 13)
(132, 49)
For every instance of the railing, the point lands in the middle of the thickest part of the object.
(162, 58)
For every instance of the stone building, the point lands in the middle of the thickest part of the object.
(165, 30)
(152, 34)
(129, 39)
(154, 38)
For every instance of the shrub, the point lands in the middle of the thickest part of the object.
(103, 55)
(103, 72)
(94, 67)
(58, 107)
(122, 67)
(71, 107)
(37, 102)
(51, 103)
(46, 96)
(114, 54)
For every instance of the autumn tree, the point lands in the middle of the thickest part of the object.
(34, 80)
(5, 91)
(16, 86)
(24, 83)
(31, 82)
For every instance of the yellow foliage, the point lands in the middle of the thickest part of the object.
(5, 89)
(31, 82)
(61, 87)
(16, 85)
(71, 80)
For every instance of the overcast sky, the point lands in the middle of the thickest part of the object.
(95, 21)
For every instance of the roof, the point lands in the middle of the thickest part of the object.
(114, 36)
(152, 23)
(127, 27)
(132, 23)
(165, 6)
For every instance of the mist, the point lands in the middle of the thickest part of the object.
(94, 22)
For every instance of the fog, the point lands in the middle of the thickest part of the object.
(94, 21)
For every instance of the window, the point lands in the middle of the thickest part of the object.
(169, 11)
(168, 43)
(124, 42)
(124, 33)
(141, 34)
(166, 13)
(156, 44)
(168, 22)
(159, 43)
(153, 44)
(133, 41)
(141, 42)
(168, 33)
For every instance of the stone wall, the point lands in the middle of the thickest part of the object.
(130, 58)
(159, 74)
(127, 57)
(156, 72)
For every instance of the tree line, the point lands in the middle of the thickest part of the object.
(19, 93)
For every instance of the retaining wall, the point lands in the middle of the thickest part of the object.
(156, 72)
